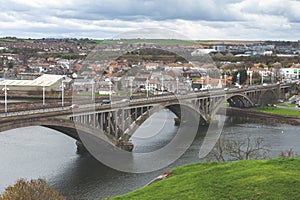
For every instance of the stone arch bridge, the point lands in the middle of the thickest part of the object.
(116, 123)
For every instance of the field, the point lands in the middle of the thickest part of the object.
(146, 41)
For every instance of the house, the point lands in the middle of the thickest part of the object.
(153, 84)
(263, 71)
(151, 66)
(290, 73)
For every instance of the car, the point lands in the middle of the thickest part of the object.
(204, 89)
(226, 89)
(74, 106)
(125, 100)
(106, 101)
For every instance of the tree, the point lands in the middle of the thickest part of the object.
(229, 150)
(10, 65)
(33, 190)
(243, 76)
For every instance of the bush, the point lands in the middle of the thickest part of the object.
(31, 190)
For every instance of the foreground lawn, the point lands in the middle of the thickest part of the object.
(250, 179)
(279, 111)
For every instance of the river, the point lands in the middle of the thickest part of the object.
(38, 152)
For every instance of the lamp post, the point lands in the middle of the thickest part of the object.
(220, 82)
(177, 84)
(272, 77)
(147, 88)
(238, 78)
(62, 92)
(44, 91)
(5, 89)
(93, 88)
(110, 84)
(162, 83)
(130, 82)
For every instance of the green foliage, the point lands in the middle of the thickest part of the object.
(247, 179)
(30, 190)
(243, 76)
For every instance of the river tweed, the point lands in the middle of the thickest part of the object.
(38, 152)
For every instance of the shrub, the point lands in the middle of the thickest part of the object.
(30, 190)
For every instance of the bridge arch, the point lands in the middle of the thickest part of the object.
(65, 126)
(268, 96)
(239, 100)
(180, 109)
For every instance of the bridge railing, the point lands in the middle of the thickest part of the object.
(138, 101)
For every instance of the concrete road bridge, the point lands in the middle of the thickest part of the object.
(115, 123)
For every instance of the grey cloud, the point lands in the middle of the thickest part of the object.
(228, 18)
(149, 9)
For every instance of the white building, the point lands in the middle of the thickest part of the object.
(290, 73)
(151, 66)
(49, 81)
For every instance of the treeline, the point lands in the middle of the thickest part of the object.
(268, 60)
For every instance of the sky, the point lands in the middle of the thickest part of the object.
(188, 19)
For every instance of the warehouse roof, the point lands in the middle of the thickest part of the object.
(44, 80)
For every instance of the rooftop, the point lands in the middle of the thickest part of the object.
(44, 80)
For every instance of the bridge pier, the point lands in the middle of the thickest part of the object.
(80, 147)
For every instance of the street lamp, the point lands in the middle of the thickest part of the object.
(177, 84)
(220, 82)
(93, 88)
(162, 83)
(130, 82)
(238, 78)
(5, 89)
(147, 88)
(62, 92)
(44, 91)
(110, 84)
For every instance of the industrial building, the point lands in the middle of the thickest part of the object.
(50, 82)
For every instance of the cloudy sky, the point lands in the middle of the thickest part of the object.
(194, 19)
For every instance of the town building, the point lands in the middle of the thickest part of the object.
(50, 82)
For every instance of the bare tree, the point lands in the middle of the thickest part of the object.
(230, 150)
(288, 154)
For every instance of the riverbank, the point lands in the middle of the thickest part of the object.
(256, 116)
(247, 179)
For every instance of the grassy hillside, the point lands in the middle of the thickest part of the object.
(250, 179)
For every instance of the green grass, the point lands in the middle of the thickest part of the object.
(287, 105)
(250, 179)
(278, 111)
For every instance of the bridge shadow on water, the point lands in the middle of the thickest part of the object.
(87, 178)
